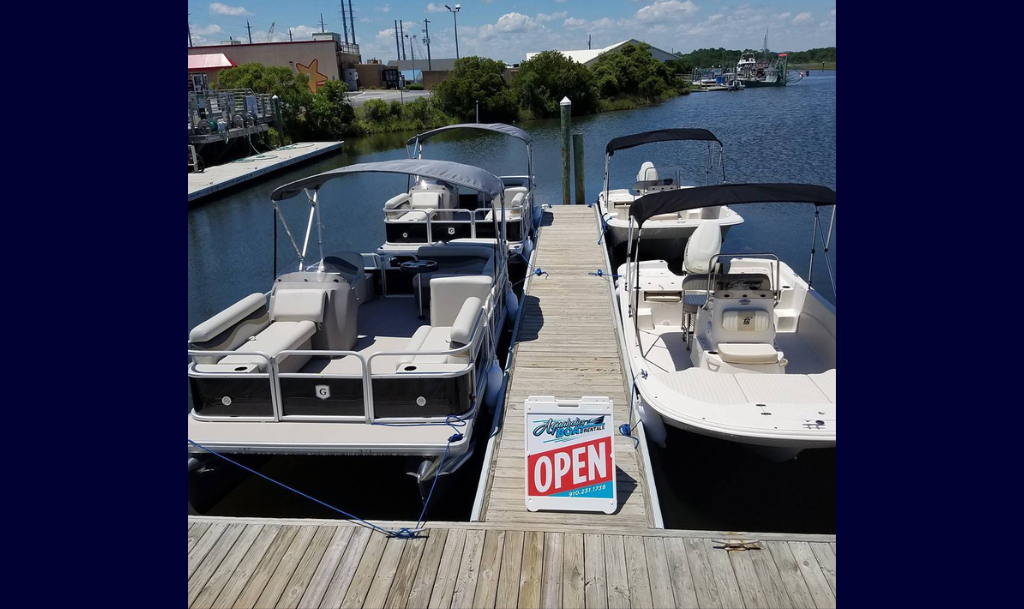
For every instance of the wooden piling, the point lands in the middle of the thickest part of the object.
(566, 143)
(580, 169)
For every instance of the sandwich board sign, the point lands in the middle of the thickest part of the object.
(570, 455)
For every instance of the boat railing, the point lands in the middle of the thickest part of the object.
(776, 280)
(433, 217)
(365, 377)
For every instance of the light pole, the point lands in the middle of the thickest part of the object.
(455, 15)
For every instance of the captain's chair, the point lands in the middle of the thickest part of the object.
(647, 174)
(704, 245)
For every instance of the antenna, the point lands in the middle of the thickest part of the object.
(344, 21)
(426, 41)
(352, 21)
(249, 27)
(190, 32)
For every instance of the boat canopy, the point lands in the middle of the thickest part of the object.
(674, 201)
(508, 130)
(454, 174)
(664, 135)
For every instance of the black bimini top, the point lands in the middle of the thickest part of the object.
(455, 174)
(508, 130)
(674, 201)
(664, 135)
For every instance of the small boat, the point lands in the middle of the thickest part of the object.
(737, 346)
(358, 354)
(431, 213)
(666, 234)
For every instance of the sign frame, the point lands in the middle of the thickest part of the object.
(557, 427)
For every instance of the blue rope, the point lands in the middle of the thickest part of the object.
(601, 273)
(538, 273)
(627, 429)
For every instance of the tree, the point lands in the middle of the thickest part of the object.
(476, 79)
(330, 115)
(633, 72)
(548, 78)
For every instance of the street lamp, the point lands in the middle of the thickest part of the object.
(455, 15)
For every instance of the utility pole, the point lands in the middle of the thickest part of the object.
(455, 15)
(590, 43)
(352, 19)
(426, 41)
(323, 28)
(344, 21)
(401, 33)
(412, 49)
(190, 32)
(249, 27)
(398, 48)
(290, 39)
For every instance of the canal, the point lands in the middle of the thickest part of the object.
(771, 135)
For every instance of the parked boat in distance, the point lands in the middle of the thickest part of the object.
(666, 234)
(359, 354)
(738, 346)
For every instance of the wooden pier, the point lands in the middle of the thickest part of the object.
(222, 177)
(567, 348)
(243, 564)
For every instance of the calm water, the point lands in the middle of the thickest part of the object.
(771, 135)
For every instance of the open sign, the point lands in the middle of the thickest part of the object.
(570, 456)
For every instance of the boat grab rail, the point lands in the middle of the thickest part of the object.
(776, 281)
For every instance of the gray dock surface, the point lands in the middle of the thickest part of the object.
(221, 177)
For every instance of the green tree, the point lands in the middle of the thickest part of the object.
(476, 79)
(633, 72)
(330, 115)
(548, 78)
(290, 87)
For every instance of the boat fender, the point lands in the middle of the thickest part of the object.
(538, 216)
(654, 426)
(528, 249)
(495, 380)
(512, 305)
(193, 464)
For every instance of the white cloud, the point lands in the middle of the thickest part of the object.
(666, 10)
(436, 8)
(487, 1)
(383, 9)
(714, 18)
(784, 16)
(545, 17)
(513, 23)
(833, 12)
(803, 18)
(574, 23)
(228, 11)
(208, 30)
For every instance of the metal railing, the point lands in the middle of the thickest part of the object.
(251, 108)
(392, 217)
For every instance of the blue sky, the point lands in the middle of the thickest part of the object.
(508, 29)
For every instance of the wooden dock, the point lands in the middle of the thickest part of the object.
(567, 348)
(248, 564)
(221, 177)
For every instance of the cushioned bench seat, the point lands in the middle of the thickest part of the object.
(434, 339)
(280, 336)
(750, 354)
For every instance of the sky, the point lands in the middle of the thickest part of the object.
(509, 29)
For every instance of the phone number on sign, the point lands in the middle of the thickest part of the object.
(588, 491)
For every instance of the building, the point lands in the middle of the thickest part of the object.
(324, 58)
(588, 57)
(428, 73)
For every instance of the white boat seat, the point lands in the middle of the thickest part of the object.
(426, 200)
(429, 339)
(278, 337)
(748, 354)
(298, 305)
(223, 321)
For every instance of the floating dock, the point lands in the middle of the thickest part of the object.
(246, 564)
(568, 346)
(221, 177)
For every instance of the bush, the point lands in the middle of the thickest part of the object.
(548, 78)
(414, 87)
(396, 109)
(633, 72)
(376, 110)
(477, 79)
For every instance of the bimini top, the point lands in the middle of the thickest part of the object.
(664, 135)
(454, 174)
(508, 130)
(673, 201)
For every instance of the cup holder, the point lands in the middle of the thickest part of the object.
(241, 369)
(410, 368)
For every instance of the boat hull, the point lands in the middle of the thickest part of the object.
(760, 84)
(659, 243)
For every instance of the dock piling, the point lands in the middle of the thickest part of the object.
(579, 169)
(566, 129)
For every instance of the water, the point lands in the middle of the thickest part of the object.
(771, 135)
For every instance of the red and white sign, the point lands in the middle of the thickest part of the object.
(570, 455)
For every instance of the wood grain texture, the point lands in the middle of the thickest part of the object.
(346, 571)
(511, 571)
(469, 572)
(533, 566)
(573, 572)
(792, 577)
(617, 572)
(662, 594)
(486, 594)
(680, 575)
(448, 574)
(551, 574)
(821, 592)
(426, 574)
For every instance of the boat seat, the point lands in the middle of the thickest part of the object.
(748, 354)
(279, 336)
(448, 295)
(298, 305)
(426, 200)
(230, 328)
(352, 267)
(444, 338)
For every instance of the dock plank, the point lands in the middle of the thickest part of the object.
(573, 572)
(511, 570)
(359, 588)
(343, 576)
(680, 575)
(316, 590)
(533, 565)
(704, 581)
(821, 592)
(640, 596)
(268, 566)
(306, 568)
(771, 582)
(195, 534)
(617, 572)
(212, 561)
(746, 575)
(469, 572)
(827, 560)
(426, 574)
(220, 578)
(792, 577)
(444, 588)
(286, 568)
(398, 596)
(386, 572)
(486, 595)
(204, 547)
(725, 576)
(551, 574)
(662, 594)
(244, 572)
(595, 576)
